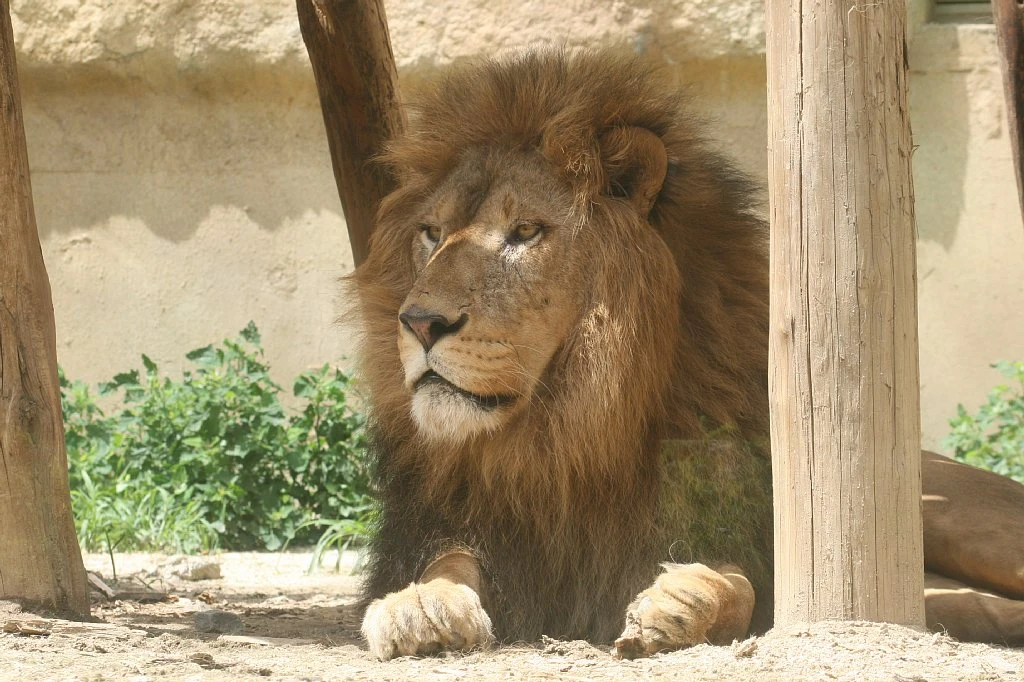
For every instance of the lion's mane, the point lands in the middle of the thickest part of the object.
(562, 506)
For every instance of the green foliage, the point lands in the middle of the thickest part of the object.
(124, 515)
(340, 534)
(993, 438)
(213, 459)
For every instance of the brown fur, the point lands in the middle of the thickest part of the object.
(973, 526)
(667, 339)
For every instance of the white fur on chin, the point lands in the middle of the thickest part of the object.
(444, 416)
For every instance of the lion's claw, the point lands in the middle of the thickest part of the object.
(425, 619)
(687, 605)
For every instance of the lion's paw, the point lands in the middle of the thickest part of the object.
(425, 619)
(687, 605)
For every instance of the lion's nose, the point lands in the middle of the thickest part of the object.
(429, 326)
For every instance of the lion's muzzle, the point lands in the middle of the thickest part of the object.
(429, 326)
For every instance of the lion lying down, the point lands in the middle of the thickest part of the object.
(565, 313)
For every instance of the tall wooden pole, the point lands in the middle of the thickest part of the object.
(354, 68)
(843, 342)
(40, 560)
(1009, 20)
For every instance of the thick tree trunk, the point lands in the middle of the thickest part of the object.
(40, 560)
(350, 51)
(843, 344)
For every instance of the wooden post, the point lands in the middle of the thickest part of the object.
(1009, 20)
(354, 68)
(39, 556)
(843, 342)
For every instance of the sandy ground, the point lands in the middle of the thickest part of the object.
(277, 622)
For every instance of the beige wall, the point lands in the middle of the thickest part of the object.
(182, 181)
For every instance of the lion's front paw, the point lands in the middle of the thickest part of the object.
(426, 618)
(687, 605)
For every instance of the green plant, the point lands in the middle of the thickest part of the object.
(993, 438)
(213, 459)
(112, 509)
(126, 515)
(341, 534)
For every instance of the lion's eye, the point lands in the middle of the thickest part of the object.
(430, 233)
(525, 232)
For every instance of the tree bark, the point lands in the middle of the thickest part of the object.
(1009, 20)
(354, 68)
(843, 343)
(40, 560)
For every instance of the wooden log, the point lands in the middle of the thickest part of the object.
(1009, 20)
(354, 68)
(843, 342)
(40, 560)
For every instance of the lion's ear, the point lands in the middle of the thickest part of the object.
(634, 163)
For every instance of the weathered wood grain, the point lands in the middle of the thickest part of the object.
(843, 344)
(40, 559)
(1009, 20)
(354, 68)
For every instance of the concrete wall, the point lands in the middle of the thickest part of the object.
(183, 185)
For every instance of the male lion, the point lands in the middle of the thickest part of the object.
(565, 313)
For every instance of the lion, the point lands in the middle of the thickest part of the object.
(564, 317)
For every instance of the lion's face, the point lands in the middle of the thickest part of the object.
(497, 276)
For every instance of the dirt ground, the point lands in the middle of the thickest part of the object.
(266, 618)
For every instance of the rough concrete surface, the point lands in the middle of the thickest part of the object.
(192, 34)
(183, 186)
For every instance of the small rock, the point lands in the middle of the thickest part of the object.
(201, 657)
(205, 660)
(218, 621)
(207, 570)
(190, 568)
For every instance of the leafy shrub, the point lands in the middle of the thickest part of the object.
(340, 534)
(125, 514)
(993, 438)
(213, 459)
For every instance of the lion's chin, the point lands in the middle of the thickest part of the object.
(446, 416)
